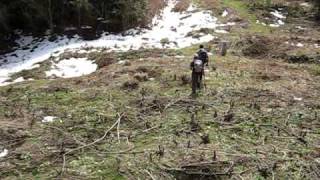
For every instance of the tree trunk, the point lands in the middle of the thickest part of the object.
(79, 16)
(223, 48)
(50, 16)
(318, 15)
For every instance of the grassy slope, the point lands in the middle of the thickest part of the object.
(249, 115)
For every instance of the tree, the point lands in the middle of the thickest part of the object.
(132, 12)
(317, 6)
(81, 5)
(3, 18)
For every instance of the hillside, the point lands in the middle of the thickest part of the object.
(119, 107)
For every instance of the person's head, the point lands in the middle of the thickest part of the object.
(195, 56)
(201, 46)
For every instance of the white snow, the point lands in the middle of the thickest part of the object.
(225, 13)
(221, 31)
(297, 98)
(278, 14)
(49, 119)
(300, 27)
(274, 25)
(280, 22)
(279, 18)
(4, 153)
(35, 66)
(299, 45)
(305, 4)
(72, 68)
(169, 24)
(180, 57)
(121, 62)
(316, 45)
(20, 79)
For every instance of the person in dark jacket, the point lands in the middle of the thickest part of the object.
(200, 60)
(197, 67)
(204, 57)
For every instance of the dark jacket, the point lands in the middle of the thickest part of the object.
(203, 56)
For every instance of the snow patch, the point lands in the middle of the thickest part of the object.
(49, 119)
(300, 27)
(221, 31)
(274, 25)
(305, 4)
(122, 62)
(4, 153)
(299, 45)
(280, 22)
(20, 79)
(297, 99)
(72, 68)
(279, 18)
(180, 57)
(225, 13)
(278, 14)
(35, 66)
(262, 23)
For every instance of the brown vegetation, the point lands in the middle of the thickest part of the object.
(182, 6)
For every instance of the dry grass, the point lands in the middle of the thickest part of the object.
(214, 5)
(237, 123)
(182, 6)
(154, 8)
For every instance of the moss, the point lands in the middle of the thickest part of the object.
(146, 53)
(241, 7)
(315, 69)
(36, 73)
(96, 168)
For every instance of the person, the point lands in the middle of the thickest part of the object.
(197, 67)
(200, 60)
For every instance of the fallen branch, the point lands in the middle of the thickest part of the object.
(152, 128)
(118, 127)
(205, 163)
(90, 144)
(152, 177)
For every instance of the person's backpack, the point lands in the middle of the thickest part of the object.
(203, 56)
(198, 66)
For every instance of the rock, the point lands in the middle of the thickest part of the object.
(53, 38)
(88, 33)
(130, 85)
(185, 79)
(234, 18)
(223, 48)
(106, 60)
(141, 77)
